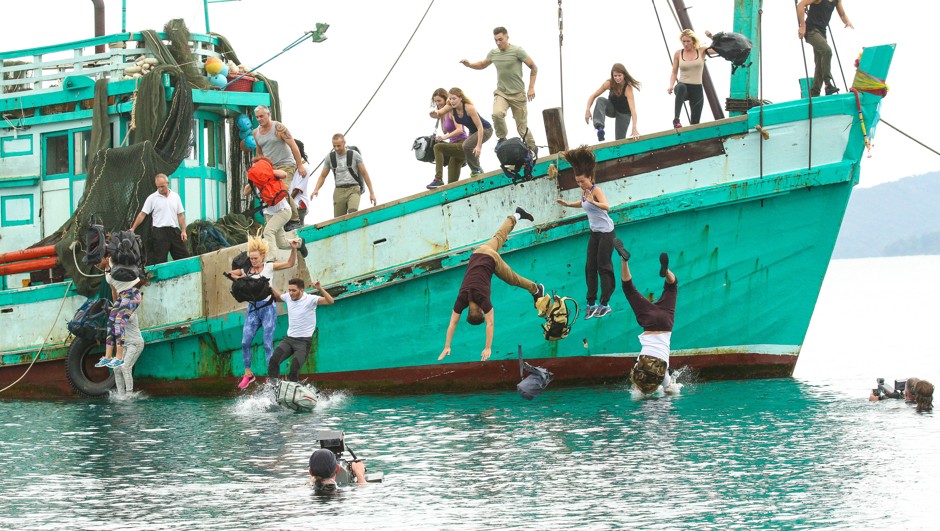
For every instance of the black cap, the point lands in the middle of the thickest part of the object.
(322, 463)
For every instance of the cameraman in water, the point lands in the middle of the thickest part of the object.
(912, 390)
(328, 470)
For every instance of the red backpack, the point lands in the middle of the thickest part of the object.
(271, 189)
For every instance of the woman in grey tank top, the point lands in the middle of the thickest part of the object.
(601, 243)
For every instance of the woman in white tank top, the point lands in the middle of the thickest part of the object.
(688, 65)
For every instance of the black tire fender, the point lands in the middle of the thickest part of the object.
(86, 379)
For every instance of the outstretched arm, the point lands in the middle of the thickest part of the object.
(437, 113)
(450, 335)
(490, 327)
(587, 112)
(290, 261)
(479, 65)
(843, 16)
(326, 297)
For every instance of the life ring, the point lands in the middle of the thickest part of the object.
(83, 376)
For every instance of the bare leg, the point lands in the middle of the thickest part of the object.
(625, 271)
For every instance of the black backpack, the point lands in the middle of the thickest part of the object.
(127, 256)
(95, 242)
(91, 320)
(248, 289)
(732, 46)
(515, 157)
(350, 166)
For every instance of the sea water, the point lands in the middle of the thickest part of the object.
(804, 452)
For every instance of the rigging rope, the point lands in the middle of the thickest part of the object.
(45, 338)
(561, 70)
(882, 120)
(809, 162)
(760, 89)
(838, 59)
(389, 70)
(666, 44)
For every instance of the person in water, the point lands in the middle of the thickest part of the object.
(618, 105)
(656, 318)
(326, 474)
(916, 391)
(601, 243)
(261, 314)
(475, 290)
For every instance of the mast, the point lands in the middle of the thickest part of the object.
(745, 82)
(713, 102)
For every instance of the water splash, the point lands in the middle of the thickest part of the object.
(133, 396)
(259, 398)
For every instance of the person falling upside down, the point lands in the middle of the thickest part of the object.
(656, 319)
(475, 289)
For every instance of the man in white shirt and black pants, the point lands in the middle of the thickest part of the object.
(301, 324)
(168, 229)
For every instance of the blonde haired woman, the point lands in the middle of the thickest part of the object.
(262, 314)
(688, 65)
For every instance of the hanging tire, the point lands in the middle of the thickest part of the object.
(83, 376)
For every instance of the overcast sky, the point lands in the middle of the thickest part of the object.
(324, 86)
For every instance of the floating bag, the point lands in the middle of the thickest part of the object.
(296, 396)
(536, 382)
(95, 242)
(648, 373)
(514, 157)
(127, 256)
(271, 190)
(424, 148)
(91, 320)
(558, 319)
(732, 46)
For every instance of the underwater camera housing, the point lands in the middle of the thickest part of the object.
(335, 441)
(883, 391)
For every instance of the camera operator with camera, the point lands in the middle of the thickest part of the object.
(329, 470)
(912, 390)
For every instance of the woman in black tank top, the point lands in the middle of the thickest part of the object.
(618, 105)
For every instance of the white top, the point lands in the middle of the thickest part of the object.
(281, 205)
(301, 315)
(267, 271)
(118, 285)
(656, 345)
(165, 210)
(132, 331)
(300, 182)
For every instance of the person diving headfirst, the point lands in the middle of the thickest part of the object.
(475, 290)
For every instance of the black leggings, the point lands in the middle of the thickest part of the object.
(695, 94)
(298, 347)
(600, 248)
(653, 316)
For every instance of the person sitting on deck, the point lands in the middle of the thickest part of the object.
(656, 319)
(302, 323)
(475, 289)
(261, 314)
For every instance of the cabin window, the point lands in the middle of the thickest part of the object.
(209, 142)
(80, 144)
(57, 155)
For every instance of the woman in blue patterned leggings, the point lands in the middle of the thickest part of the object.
(262, 314)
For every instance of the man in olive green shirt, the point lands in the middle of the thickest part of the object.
(510, 89)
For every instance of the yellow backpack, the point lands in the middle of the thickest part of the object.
(558, 318)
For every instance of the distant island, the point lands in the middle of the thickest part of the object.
(892, 219)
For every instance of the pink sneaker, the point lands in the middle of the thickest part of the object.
(246, 380)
